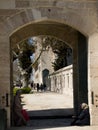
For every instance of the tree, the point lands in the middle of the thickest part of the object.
(61, 50)
(23, 52)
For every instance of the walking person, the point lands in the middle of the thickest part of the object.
(18, 117)
(37, 87)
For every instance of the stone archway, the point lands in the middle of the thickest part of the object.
(57, 30)
(55, 15)
(69, 36)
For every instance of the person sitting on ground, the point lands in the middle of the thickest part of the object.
(84, 116)
(18, 117)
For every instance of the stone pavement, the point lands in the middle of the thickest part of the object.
(48, 104)
(60, 128)
(49, 111)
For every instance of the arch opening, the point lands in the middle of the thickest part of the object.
(74, 39)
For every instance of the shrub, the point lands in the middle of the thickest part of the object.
(26, 90)
(15, 90)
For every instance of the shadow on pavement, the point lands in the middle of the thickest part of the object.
(51, 113)
(51, 118)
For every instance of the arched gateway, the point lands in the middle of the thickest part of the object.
(71, 21)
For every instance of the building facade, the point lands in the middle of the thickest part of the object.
(44, 64)
(62, 81)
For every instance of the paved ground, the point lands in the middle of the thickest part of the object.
(49, 111)
(59, 128)
(48, 104)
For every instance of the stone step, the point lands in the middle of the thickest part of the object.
(51, 113)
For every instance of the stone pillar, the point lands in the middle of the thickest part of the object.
(52, 83)
(70, 83)
(66, 83)
(5, 75)
(75, 79)
(82, 66)
(63, 83)
(80, 87)
(93, 77)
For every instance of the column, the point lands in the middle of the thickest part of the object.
(5, 75)
(93, 77)
(82, 67)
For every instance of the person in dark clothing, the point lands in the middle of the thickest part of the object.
(32, 85)
(37, 87)
(41, 87)
(84, 116)
(44, 87)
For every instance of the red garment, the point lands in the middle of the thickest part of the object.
(25, 114)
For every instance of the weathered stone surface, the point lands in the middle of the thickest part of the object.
(20, 19)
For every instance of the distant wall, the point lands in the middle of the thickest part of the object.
(62, 81)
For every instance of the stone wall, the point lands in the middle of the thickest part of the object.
(62, 81)
(21, 19)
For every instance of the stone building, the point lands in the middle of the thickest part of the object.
(44, 65)
(61, 81)
(73, 21)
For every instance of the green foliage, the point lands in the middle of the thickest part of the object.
(22, 52)
(26, 90)
(61, 60)
(62, 51)
(24, 46)
(15, 90)
(25, 60)
(24, 57)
